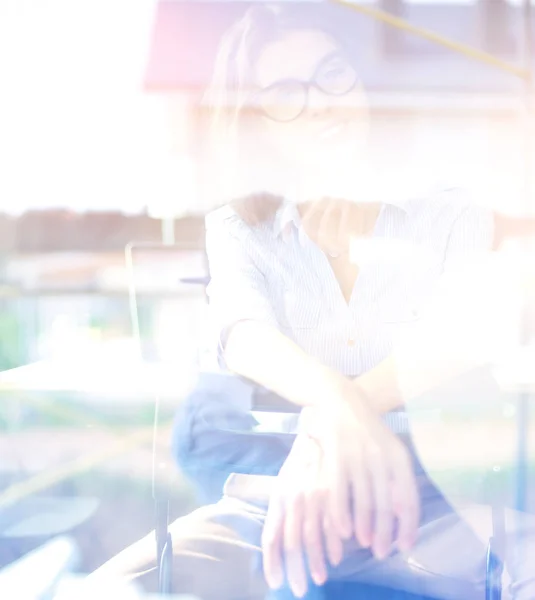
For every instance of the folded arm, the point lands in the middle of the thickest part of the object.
(253, 346)
(250, 341)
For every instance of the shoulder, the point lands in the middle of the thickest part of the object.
(245, 215)
(445, 207)
(223, 216)
(453, 217)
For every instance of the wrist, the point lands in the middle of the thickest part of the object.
(331, 386)
(380, 387)
(351, 396)
(343, 406)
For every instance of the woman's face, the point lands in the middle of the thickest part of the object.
(314, 111)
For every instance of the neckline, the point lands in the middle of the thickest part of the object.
(327, 274)
(377, 231)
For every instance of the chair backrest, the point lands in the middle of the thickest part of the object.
(167, 303)
(167, 314)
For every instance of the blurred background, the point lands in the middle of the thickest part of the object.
(102, 138)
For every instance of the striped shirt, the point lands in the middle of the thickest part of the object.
(274, 273)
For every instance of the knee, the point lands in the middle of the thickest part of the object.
(212, 563)
(135, 561)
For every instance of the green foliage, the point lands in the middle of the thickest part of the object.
(12, 349)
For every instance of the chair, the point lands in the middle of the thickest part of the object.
(167, 288)
(331, 590)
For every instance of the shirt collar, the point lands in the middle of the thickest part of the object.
(286, 217)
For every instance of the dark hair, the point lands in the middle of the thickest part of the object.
(234, 74)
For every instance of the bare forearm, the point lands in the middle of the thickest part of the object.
(394, 383)
(390, 385)
(267, 357)
(508, 227)
(264, 355)
(380, 386)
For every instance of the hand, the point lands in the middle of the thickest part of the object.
(297, 530)
(327, 223)
(333, 222)
(369, 476)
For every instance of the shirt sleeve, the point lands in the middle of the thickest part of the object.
(471, 233)
(237, 289)
(468, 320)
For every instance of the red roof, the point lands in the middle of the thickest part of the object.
(187, 33)
(184, 42)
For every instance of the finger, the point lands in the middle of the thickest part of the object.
(333, 542)
(325, 224)
(293, 546)
(384, 518)
(407, 500)
(312, 537)
(338, 500)
(272, 539)
(312, 211)
(362, 497)
(344, 225)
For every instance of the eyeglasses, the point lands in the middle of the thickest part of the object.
(286, 100)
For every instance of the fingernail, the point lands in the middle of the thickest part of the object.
(335, 558)
(299, 590)
(275, 581)
(364, 539)
(318, 577)
(380, 552)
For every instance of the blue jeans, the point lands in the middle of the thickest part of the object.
(214, 434)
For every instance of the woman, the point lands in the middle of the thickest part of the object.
(307, 293)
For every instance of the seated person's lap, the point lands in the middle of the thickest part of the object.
(217, 554)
